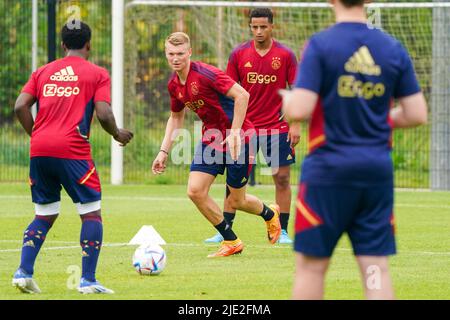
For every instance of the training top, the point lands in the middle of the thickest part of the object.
(263, 77)
(66, 91)
(204, 93)
(357, 71)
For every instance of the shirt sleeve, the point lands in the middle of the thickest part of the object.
(222, 82)
(175, 104)
(232, 67)
(103, 90)
(407, 83)
(31, 86)
(292, 68)
(309, 71)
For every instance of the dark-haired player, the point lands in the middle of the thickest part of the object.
(350, 74)
(263, 66)
(67, 91)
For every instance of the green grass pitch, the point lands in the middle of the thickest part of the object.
(421, 270)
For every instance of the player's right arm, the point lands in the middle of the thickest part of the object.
(241, 98)
(22, 109)
(174, 123)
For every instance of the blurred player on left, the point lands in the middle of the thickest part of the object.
(67, 92)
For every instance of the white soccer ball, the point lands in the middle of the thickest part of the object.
(149, 259)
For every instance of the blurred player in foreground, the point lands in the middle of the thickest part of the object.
(350, 74)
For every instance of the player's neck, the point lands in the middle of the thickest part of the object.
(263, 47)
(183, 74)
(356, 14)
(76, 53)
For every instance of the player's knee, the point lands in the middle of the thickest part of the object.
(196, 194)
(312, 265)
(50, 219)
(282, 181)
(235, 202)
(369, 264)
(92, 216)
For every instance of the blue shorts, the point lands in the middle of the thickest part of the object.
(324, 213)
(78, 177)
(211, 161)
(276, 150)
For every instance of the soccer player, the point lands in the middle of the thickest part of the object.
(263, 66)
(67, 91)
(221, 104)
(350, 74)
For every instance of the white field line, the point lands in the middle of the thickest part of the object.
(203, 245)
(150, 198)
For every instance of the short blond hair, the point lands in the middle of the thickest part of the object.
(178, 39)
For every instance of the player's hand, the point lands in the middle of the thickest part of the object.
(124, 136)
(294, 134)
(159, 164)
(234, 143)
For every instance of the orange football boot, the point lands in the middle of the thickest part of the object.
(273, 225)
(228, 248)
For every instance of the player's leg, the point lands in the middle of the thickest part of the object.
(309, 277)
(241, 200)
(199, 184)
(373, 239)
(91, 241)
(198, 191)
(81, 181)
(237, 178)
(322, 216)
(45, 190)
(202, 175)
(376, 278)
(280, 156)
(229, 214)
(283, 195)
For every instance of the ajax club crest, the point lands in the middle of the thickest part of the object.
(194, 88)
(276, 63)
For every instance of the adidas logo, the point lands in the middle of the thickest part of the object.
(244, 180)
(248, 65)
(362, 62)
(289, 157)
(29, 243)
(65, 75)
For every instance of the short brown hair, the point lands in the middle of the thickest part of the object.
(261, 13)
(178, 39)
(353, 3)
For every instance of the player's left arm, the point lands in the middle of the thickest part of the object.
(241, 98)
(22, 109)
